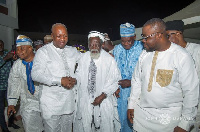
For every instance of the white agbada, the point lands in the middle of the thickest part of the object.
(194, 50)
(49, 66)
(175, 90)
(107, 77)
(29, 104)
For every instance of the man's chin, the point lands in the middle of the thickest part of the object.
(127, 47)
(21, 57)
(148, 50)
(94, 55)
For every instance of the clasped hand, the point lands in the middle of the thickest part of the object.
(68, 82)
(11, 108)
(99, 99)
(124, 83)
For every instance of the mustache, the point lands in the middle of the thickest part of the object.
(94, 50)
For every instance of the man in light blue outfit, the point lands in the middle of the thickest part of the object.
(126, 54)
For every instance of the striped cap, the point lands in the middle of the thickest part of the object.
(23, 40)
(127, 30)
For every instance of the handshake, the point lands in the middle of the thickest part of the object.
(68, 82)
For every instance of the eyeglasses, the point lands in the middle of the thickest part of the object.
(170, 34)
(145, 38)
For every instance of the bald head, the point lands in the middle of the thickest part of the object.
(57, 25)
(59, 35)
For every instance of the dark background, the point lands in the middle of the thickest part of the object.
(81, 17)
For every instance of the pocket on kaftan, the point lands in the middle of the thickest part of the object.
(164, 77)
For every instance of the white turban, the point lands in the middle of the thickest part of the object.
(96, 34)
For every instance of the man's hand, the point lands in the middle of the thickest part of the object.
(11, 108)
(99, 99)
(15, 57)
(130, 114)
(68, 82)
(124, 83)
(179, 129)
(117, 93)
(73, 81)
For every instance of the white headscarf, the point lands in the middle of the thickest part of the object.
(96, 34)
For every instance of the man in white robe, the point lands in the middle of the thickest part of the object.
(98, 78)
(20, 85)
(175, 34)
(53, 68)
(165, 85)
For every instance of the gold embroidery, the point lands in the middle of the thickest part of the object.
(164, 77)
(152, 71)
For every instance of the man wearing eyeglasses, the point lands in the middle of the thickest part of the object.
(164, 86)
(126, 54)
(175, 34)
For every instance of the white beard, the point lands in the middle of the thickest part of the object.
(94, 53)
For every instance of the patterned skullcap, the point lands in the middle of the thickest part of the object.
(23, 40)
(175, 25)
(127, 30)
(38, 42)
(96, 34)
(106, 37)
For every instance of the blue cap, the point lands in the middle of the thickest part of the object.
(127, 30)
(23, 40)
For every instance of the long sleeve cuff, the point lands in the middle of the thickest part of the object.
(132, 104)
(57, 81)
(12, 101)
(186, 124)
(109, 92)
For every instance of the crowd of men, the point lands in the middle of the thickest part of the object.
(147, 85)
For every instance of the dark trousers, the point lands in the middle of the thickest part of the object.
(2, 107)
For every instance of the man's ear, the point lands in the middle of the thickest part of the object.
(52, 36)
(30, 48)
(134, 37)
(103, 44)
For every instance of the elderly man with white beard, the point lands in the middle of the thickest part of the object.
(97, 77)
